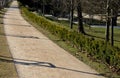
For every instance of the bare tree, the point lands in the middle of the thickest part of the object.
(71, 13)
(108, 21)
(114, 14)
(80, 17)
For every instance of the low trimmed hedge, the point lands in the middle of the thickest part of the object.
(96, 49)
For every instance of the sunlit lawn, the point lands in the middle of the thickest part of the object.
(96, 32)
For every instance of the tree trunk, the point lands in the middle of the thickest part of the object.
(43, 8)
(108, 21)
(80, 19)
(114, 13)
(114, 21)
(112, 32)
(71, 14)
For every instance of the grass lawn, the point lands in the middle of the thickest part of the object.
(7, 67)
(98, 33)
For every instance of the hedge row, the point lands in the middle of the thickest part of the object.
(95, 48)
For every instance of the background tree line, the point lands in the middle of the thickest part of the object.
(62, 8)
(4, 3)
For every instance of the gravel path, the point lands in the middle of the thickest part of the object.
(36, 56)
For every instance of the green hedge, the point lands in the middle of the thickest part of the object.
(96, 49)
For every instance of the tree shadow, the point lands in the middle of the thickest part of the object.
(2, 12)
(11, 13)
(94, 36)
(99, 37)
(42, 64)
(16, 25)
(13, 18)
(33, 37)
(21, 36)
(25, 62)
(92, 21)
(14, 7)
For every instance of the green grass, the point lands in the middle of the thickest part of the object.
(99, 33)
(101, 68)
(95, 32)
(7, 67)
